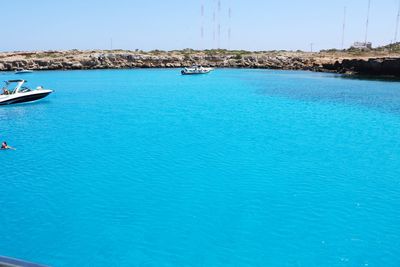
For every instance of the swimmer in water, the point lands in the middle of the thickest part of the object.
(5, 146)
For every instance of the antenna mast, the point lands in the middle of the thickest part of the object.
(367, 24)
(344, 26)
(202, 25)
(214, 21)
(230, 25)
(397, 24)
(219, 23)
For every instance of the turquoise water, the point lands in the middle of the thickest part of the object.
(234, 168)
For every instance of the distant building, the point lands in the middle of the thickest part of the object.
(362, 45)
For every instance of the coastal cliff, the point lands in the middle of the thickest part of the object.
(67, 60)
(363, 64)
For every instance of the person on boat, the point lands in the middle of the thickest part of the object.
(5, 91)
(5, 146)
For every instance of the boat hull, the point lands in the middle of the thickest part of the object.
(24, 98)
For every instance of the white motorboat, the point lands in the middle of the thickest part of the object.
(21, 93)
(23, 71)
(196, 70)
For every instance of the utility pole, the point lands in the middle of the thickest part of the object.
(344, 26)
(311, 47)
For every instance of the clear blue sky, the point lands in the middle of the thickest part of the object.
(176, 24)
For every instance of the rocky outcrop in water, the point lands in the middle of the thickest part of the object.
(373, 66)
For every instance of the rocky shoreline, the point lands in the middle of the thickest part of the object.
(359, 63)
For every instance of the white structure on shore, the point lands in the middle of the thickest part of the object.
(362, 45)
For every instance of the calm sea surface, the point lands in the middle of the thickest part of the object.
(235, 168)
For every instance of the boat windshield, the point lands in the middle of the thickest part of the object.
(24, 89)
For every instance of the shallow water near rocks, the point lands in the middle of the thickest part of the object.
(233, 168)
